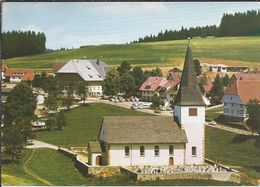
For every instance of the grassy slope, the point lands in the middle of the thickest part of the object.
(14, 174)
(59, 170)
(239, 50)
(233, 149)
(83, 124)
(56, 168)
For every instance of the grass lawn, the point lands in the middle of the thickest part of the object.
(227, 50)
(233, 149)
(58, 169)
(83, 124)
(14, 174)
(214, 113)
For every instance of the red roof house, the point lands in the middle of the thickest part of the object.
(17, 75)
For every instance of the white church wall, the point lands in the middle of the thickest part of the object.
(195, 131)
(117, 155)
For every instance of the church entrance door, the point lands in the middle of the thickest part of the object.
(171, 161)
(98, 160)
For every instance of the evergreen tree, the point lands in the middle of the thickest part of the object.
(82, 91)
(124, 68)
(217, 91)
(61, 120)
(225, 80)
(253, 111)
(51, 103)
(197, 66)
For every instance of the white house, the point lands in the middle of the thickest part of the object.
(155, 140)
(93, 72)
(237, 95)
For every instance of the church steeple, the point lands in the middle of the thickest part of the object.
(189, 93)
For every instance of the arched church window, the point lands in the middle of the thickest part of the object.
(171, 150)
(142, 150)
(156, 150)
(194, 151)
(127, 151)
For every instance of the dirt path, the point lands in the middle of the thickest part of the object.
(39, 144)
(27, 170)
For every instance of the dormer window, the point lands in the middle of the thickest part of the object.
(90, 75)
(193, 112)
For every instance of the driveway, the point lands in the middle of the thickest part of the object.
(39, 144)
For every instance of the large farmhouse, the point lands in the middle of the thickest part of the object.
(154, 140)
(241, 88)
(93, 72)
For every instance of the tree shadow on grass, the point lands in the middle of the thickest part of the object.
(242, 138)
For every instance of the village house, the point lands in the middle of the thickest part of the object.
(161, 86)
(155, 140)
(222, 68)
(18, 75)
(242, 87)
(93, 72)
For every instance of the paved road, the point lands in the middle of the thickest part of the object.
(230, 129)
(40, 144)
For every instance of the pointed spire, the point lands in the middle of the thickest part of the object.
(189, 93)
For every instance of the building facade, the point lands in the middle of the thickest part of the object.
(92, 72)
(241, 89)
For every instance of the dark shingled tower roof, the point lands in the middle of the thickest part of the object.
(189, 92)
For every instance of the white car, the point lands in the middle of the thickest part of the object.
(212, 122)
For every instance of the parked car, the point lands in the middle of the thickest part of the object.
(212, 122)
(121, 99)
(134, 106)
(140, 105)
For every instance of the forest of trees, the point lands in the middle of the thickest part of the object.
(237, 24)
(22, 43)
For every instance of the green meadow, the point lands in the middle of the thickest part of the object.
(227, 50)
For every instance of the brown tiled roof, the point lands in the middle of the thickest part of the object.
(56, 67)
(142, 129)
(189, 91)
(158, 84)
(247, 89)
(94, 147)
(153, 84)
(247, 76)
(27, 74)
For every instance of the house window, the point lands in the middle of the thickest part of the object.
(230, 98)
(241, 106)
(127, 151)
(194, 151)
(232, 111)
(171, 150)
(225, 104)
(192, 111)
(232, 104)
(156, 150)
(141, 150)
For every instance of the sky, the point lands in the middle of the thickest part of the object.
(72, 25)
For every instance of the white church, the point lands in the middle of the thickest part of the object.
(155, 140)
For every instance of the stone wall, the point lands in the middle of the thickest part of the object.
(222, 176)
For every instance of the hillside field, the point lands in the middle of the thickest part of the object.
(226, 50)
